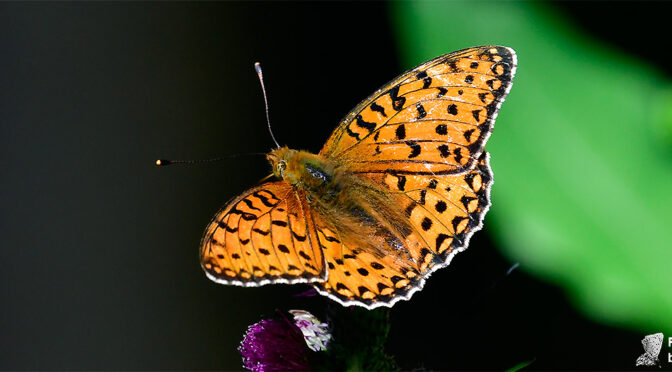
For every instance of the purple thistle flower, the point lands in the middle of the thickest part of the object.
(279, 344)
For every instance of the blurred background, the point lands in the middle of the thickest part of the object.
(98, 248)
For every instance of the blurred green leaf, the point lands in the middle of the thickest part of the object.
(520, 366)
(581, 155)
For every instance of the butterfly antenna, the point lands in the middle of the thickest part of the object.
(257, 68)
(166, 162)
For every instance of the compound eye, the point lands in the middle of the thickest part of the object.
(282, 165)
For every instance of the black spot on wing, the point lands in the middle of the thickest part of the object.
(477, 115)
(465, 200)
(401, 182)
(415, 149)
(362, 290)
(395, 279)
(424, 252)
(458, 154)
(331, 239)
(301, 238)
(351, 133)
(264, 199)
(364, 124)
(260, 231)
(227, 227)
(444, 150)
(397, 102)
(440, 239)
(426, 82)
(250, 205)
(244, 215)
(452, 109)
(377, 266)
(378, 108)
(426, 224)
(456, 221)
(400, 132)
(421, 111)
(467, 134)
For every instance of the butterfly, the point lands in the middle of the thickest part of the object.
(397, 190)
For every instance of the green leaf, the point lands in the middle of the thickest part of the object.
(520, 366)
(581, 155)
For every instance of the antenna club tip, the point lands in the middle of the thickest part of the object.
(161, 162)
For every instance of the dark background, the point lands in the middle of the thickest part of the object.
(98, 248)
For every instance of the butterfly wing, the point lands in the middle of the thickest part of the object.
(263, 236)
(444, 212)
(433, 119)
(358, 277)
(420, 137)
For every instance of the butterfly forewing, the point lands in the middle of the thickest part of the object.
(263, 237)
(434, 119)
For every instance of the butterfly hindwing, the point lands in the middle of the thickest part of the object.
(445, 211)
(358, 277)
(435, 118)
(263, 237)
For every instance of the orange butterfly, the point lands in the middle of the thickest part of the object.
(398, 189)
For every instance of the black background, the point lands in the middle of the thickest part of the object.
(98, 259)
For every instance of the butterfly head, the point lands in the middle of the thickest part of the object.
(281, 159)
